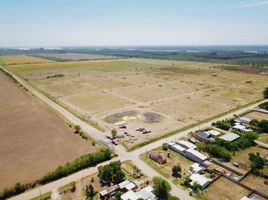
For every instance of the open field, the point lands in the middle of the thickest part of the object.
(76, 56)
(224, 189)
(256, 182)
(22, 59)
(182, 93)
(32, 140)
(257, 115)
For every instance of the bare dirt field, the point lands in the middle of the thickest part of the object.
(182, 93)
(256, 182)
(224, 189)
(76, 56)
(22, 59)
(257, 115)
(32, 140)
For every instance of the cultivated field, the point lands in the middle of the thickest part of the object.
(181, 93)
(22, 59)
(76, 56)
(32, 140)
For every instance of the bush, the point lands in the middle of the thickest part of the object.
(265, 93)
(223, 125)
(176, 171)
(264, 106)
(17, 189)
(78, 164)
(165, 146)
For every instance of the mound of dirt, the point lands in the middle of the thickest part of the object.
(151, 117)
(117, 116)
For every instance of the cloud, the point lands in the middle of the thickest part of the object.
(255, 3)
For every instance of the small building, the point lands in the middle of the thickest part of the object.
(229, 137)
(145, 193)
(185, 144)
(195, 169)
(127, 185)
(105, 194)
(200, 179)
(243, 120)
(202, 136)
(213, 132)
(193, 140)
(241, 128)
(157, 157)
(121, 123)
(177, 148)
(195, 155)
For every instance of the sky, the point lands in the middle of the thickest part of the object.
(34, 23)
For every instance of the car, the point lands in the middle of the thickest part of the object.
(109, 137)
(122, 127)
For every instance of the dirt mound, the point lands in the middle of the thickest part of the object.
(151, 117)
(117, 116)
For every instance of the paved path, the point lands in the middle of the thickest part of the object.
(122, 154)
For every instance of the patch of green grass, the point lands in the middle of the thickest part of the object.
(67, 187)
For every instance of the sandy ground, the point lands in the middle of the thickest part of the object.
(257, 115)
(32, 140)
(182, 92)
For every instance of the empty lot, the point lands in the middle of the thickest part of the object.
(22, 59)
(76, 56)
(183, 93)
(32, 140)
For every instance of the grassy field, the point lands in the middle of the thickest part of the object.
(257, 115)
(183, 93)
(21, 59)
(32, 140)
(256, 182)
(224, 189)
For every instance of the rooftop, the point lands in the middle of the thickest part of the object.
(229, 137)
(213, 132)
(197, 154)
(200, 179)
(186, 144)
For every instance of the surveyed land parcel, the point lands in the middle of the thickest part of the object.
(183, 93)
(32, 140)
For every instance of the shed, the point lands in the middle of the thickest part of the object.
(229, 137)
(199, 179)
(185, 144)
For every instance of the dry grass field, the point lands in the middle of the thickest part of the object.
(182, 92)
(22, 59)
(224, 189)
(76, 56)
(257, 115)
(32, 140)
(256, 182)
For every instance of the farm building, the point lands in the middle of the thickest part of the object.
(195, 168)
(203, 137)
(243, 120)
(127, 185)
(145, 193)
(213, 132)
(241, 127)
(108, 192)
(195, 155)
(229, 137)
(200, 179)
(157, 157)
(186, 144)
(175, 147)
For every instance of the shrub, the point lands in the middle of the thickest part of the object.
(165, 146)
(223, 125)
(17, 189)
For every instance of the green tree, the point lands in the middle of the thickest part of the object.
(111, 173)
(257, 162)
(176, 171)
(114, 133)
(264, 126)
(161, 188)
(77, 128)
(196, 187)
(165, 146)
(117, 195)
(173, 198)
(90, 192)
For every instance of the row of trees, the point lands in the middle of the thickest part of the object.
(78, 164)
(260, 126)
(215, 150)
(257, 163)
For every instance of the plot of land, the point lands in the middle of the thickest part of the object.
(257, 115)
(256, 182)
(32, 140)
(76, 56)
(224, 189)
(182, 93)
(22, 59)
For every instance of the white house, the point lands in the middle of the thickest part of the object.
(145, 193)
(185, 144)
(195, 168)
(199, 179)
(229, 137)
(195, 155)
